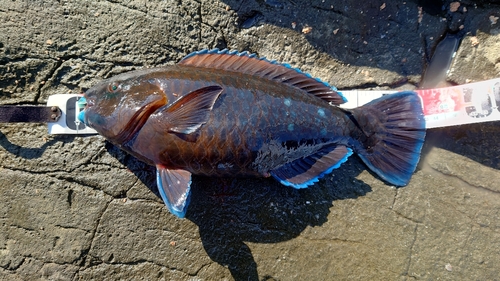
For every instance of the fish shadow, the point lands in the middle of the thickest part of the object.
(232, 211)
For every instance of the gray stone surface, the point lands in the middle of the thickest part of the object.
(78, 208)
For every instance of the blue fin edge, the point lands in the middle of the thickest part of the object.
(247, 54)
(392, 179)
(180, 214)
(316, 179)
(401, 179)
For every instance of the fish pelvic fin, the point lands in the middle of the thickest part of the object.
(174, 186)
(389, 135)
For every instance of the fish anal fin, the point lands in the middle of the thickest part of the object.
(174, 186)
(252, 65)
(189, 113)
(307, 170)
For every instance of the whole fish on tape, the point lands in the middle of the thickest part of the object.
(222, 113)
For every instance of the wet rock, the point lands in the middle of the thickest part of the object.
(477, 58)
(21, 81)
(79, 208)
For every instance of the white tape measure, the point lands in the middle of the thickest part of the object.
(68, 123)
(449, 106)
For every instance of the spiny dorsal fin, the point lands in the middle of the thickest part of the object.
(272, 70)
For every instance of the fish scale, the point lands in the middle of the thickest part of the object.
(225, 131)
(222, 113)
(230, 135)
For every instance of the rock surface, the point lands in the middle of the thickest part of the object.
(78, 208)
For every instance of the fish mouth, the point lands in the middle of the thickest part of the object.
(83, 104)
(138, 120)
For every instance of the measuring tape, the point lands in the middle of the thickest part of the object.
(449, 106)
(68, 123)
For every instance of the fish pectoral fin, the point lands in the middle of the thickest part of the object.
(307, 170)
(174, 187)
(190, 112)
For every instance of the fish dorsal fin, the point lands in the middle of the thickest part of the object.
(272, 70)
(304, 172)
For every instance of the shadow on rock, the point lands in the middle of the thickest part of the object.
(30, 152)
(364, 27)
(232, 211)
(478, 142)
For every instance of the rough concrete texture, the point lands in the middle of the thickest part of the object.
(78, 208)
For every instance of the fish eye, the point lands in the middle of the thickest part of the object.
(113, 87)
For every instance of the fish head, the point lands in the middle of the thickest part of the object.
(118, 107)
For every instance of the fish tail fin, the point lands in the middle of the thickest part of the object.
(389, 135)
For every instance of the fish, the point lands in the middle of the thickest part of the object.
(229, 114)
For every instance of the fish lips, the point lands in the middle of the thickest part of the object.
(86, 104)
